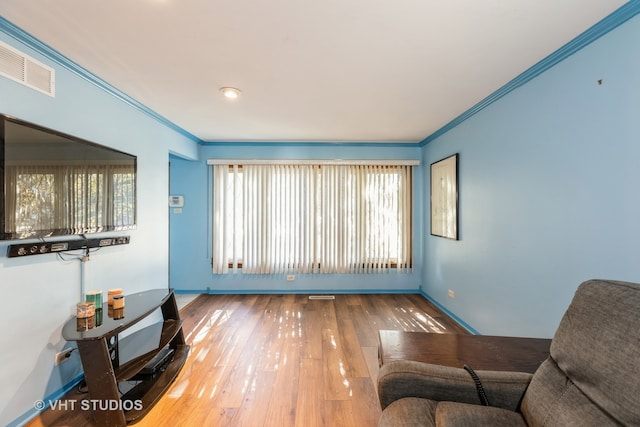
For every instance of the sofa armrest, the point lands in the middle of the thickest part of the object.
(405, 378)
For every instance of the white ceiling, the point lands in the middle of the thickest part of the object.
(309, 70)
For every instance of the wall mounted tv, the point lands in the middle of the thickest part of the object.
(55, 184)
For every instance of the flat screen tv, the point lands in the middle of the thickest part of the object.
(55, 184)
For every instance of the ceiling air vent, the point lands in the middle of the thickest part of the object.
(17, 66)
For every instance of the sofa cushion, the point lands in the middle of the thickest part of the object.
(409, 412)
(455, 414)
(553, 400)
(593, 366)
(419, 412)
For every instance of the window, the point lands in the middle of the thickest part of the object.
(311, 218)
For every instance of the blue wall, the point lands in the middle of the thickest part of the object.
(40, 292)
(549, 179)
(191, 230)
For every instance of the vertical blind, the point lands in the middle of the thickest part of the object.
(311, 218)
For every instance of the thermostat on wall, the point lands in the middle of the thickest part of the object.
(176, 201)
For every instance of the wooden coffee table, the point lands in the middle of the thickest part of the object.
(478, 351)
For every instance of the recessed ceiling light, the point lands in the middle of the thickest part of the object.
(230, 92)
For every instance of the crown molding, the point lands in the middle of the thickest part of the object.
(609, 23)
(50, 53)
(269, 143)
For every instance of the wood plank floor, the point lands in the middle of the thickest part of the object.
(279, 360)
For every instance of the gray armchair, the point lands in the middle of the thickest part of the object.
(591, 378)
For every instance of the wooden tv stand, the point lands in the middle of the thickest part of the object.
(101, 351)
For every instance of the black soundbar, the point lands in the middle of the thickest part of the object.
(40, 248)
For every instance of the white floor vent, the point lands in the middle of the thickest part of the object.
(322, 297)
(21, 68)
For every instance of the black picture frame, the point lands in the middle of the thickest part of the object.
(444, 197)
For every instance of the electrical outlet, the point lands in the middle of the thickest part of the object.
(291, 278)
(452, 294)
(62, 356)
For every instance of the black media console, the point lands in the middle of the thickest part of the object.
(127, 375)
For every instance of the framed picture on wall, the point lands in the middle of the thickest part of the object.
(444, 197)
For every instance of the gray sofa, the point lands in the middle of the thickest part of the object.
(591, 378)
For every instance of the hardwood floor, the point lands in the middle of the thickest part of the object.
(279, 360)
